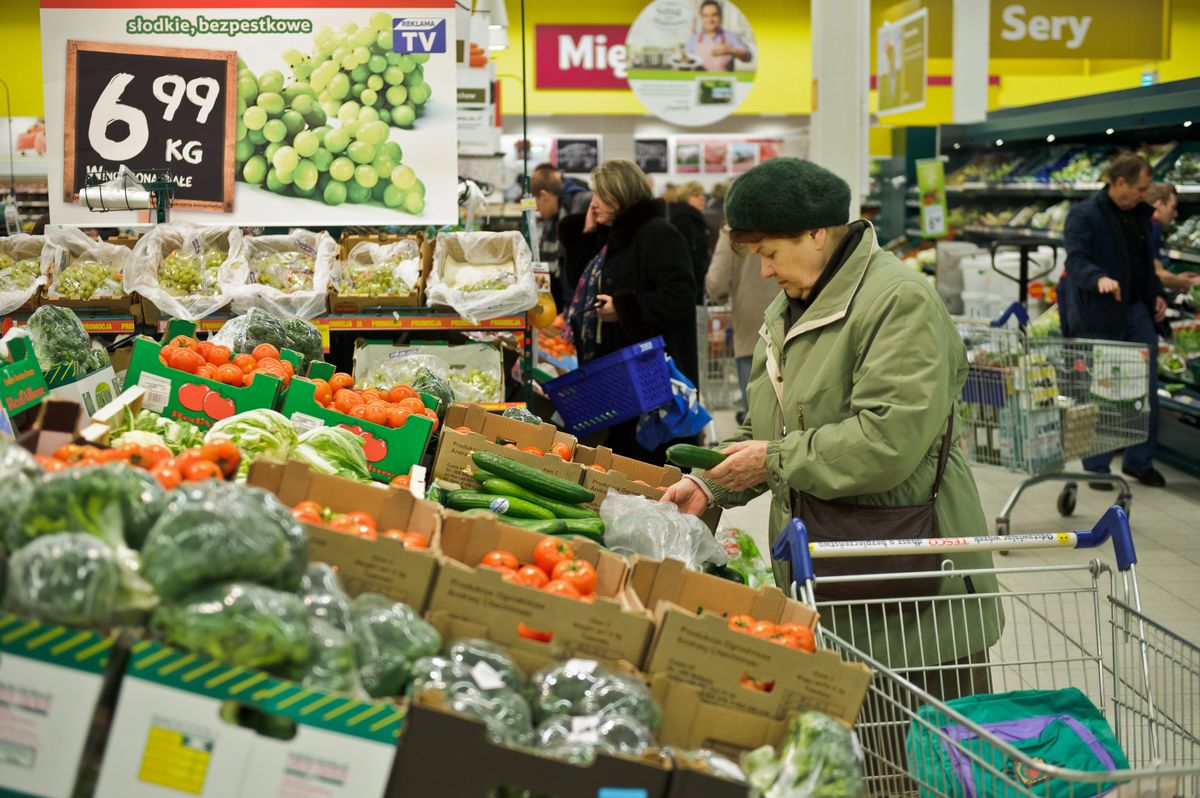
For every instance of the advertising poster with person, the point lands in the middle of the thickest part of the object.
(691, 62)
(279, 113)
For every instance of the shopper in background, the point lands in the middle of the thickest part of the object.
(714, 215)
(1113, 292)
(670, 194)
(556, 198)
(638, 283)
(735, 275)
(1165, 200)
(853, 392)
(687, 214)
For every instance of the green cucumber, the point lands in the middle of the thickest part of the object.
(483, 476)
(588, 527)
(503, 505)
(551, 527)
(504, 487)
(532, 479)
(688, 456)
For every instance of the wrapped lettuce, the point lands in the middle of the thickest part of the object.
(257, 433)
(333, 450)
(76, 579)
(19, 472)
(488, 658)
(239, 623)
(820, 758)
(580, 687)
(479, 692)
(612, 733)
(388, 638)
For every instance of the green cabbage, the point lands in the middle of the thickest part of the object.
(333, 450)
(257, 433)
(820, 758)
(304, 339)
(388, 638)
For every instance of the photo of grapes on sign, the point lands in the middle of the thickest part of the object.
(324, 131)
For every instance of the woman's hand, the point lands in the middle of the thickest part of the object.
(605, 308)
(589, 220)
(744, 467)
(687, 496)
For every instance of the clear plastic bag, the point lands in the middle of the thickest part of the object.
(59, 339)
(613, 733)
(374, 269)
(716, 764)
(474, 372)
(323, 596)
(477, 690)
(636, 525)
(497, 275)
(745, 557)
(581, 687)
(820, 758)
(187, 271)
(288, 274)
(19, 473)
(20, 270)
(487, 661)
(331, 664)
(388, 638)
(78, 267)
(242, 333)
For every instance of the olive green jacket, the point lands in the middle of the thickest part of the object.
(854, 400)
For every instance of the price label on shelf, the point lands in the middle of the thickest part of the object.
(152, 108)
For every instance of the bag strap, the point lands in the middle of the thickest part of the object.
(944, 453)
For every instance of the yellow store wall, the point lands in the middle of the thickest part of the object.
(21, 63)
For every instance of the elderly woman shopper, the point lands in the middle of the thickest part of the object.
(852, 421)
(639, 281)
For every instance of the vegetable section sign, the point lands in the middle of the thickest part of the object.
(134, 105)
(282, 113)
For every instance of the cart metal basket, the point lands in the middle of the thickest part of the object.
(1077, 626)
(1033, 404)
(719, 389)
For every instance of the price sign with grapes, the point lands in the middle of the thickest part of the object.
(152, 108)
(271, 112)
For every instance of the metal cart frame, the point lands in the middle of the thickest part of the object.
(1062, 633)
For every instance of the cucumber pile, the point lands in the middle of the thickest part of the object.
(528, 498)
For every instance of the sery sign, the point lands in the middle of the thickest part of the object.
(580, 56)
(1078, 29)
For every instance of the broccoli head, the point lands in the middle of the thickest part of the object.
(305, 339)
(388, 638)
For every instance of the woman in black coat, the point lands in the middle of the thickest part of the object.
(638, 283)
(687, 214)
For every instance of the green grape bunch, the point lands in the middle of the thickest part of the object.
(183, 274)
(325, 134)
(374, 279)
(18, 275)
(86, 278)
(288, 272)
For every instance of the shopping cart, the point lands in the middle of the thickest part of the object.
(719, 388)
(1033, 404)
(1059, 632)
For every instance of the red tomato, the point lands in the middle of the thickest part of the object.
(224, 453)
(186, 360)
(376, 413)
(167, 475)
(402, 481)
(359, 411)
(579, 573)
(396, 418)
(322, 393)
(550, 552)
(763, 629)
(186, 458)
(362, 520)
(401, 392)
(560, 587)
(506, 573)
(529, 633)
(531, 576)
(344, 399)
(339, 381)
(562, 450)
(741, 623)
(219, 355)
(230, 374)
(412, 405)
(49, 464)
(432, 416)
(245, 362)
(500, 558)
(265, 351)
(800, 636)
(599, 468)
(306, 516)
(201, 470)
(182, 341)
(463, 430)
(533, 450)
(411, 540)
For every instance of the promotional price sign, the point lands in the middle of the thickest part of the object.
(282, 113)
(931, 186)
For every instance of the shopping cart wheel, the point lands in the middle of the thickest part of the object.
(1066, 499)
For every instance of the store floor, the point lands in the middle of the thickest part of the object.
(1166, 527)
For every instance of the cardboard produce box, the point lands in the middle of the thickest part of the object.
(688, 780)
(695, 645)
(391, 452)
(187, 397)
(444, 753)
(176, 732)
(688, 722)
(55, 679)
(381, 566)
(622, 474)
(22, 384)
(99, 429)
(93, 389)
(362, 303)
(58, 423)
(614, 627)
(490, 432)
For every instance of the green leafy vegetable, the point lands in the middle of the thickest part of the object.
(175, 435)
(331, 664)
(257, 433)
(304, 338)
(426, 381)
(820, 758)
(323, 596)
(19, 472)
(388, 638)
(522, 414)
(333, 450)
(77, 579)
(243, 333)
(242, 624)
(59, 340)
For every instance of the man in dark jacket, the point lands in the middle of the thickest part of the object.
(1113, 292)
(556, 198)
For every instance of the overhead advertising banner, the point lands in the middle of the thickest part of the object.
(691, 62)
(901, 49)
(278, 114)
(1080, 29)
(580, 56)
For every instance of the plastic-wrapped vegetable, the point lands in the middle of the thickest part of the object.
(296, 563)
(477, 653)
(331, 663)
(502, 715)
(114, 502)
(242, 333)
(522, 414)
(75, 579)
(212, 532)
(323, 596)
(243, 624)
(19, 472)
(616, 694)
(744, 557)
(288, 272)
(444, 675)
(483, 695)
(616, 733)
(305, 339)
(716, 764)
(333, 450)
(20, 270)
(820, 758)
(257, 433)
(581, 687)
(425, 381)
(388, 638)
(59, 339)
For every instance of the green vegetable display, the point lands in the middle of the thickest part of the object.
(175, 435)
(325, 135)
(495, 282)
(19, 472)
(323, 596)
(59, 340)
(471, 652)
(115, 503)
(819, 759)
(295, 565)
(580, 688)
(616, 733)
(501, 505)
(215, 532)
(18, 275)
(243, 624)
(425, 381)
(388, 638)
(257, 433)
(87, 278)
(1187, 339)
(331, 664)
(288, 272)
(191, 274)
(522, 414)
(532, 479)
(242, 333)
(504, 487)
(76, 579)
(476, 686)
(304, 338)
(333, 450)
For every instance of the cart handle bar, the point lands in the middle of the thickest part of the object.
(793, 545)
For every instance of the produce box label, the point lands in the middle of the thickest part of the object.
(614, 627)
(22, 384)
(93, 391)
(51, 679)
(381, 566)
(174, 728)
(490, 432)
